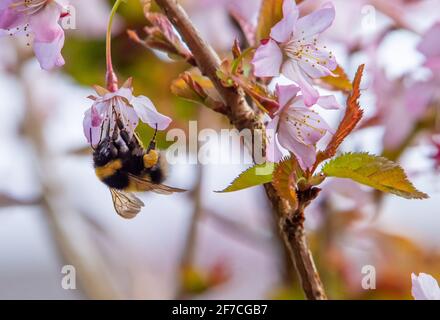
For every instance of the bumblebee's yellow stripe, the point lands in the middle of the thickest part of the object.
(109, 169)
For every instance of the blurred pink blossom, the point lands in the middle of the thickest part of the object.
(296, 127)
(430, 48)
(293, 49)
(424, 287)
(436, 155)
(38, 18)
(398, 109)
(211, 16)
(100, 119)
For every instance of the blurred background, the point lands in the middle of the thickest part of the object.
(200, 244)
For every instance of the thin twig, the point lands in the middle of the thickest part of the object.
(242, 116)
(188, 253)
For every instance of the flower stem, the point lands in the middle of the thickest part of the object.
(111, 78)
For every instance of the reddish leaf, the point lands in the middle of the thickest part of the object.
(284, 181)
(353, 114)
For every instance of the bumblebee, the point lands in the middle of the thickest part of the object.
(125, 166)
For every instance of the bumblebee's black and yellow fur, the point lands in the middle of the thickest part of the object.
(125, 166)
(118, 157)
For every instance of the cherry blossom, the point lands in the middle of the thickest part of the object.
(293, 50)
(424, 287)
(100, 119)
(38, 18)
(296, 127)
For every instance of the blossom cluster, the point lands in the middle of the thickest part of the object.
(293, 50)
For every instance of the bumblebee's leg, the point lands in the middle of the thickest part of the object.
(151, 158)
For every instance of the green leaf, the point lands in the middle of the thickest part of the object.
(271, 12)
(254, 176)
(374, 171)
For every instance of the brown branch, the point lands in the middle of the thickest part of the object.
(293, 227)
(242, 116)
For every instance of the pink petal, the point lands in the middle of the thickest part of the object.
(128, 115)
(96, 117)
(305, 125)
(125, 93)
(274, 153)
(267, 60)
(292, 71)
(285, 94)
(10, 18)
(433, 64)
(316, 22)
(418, 97)
(306, 154)
(313, 69)
(49, 53)
(91, 132)
(398, 125)
(318, 63)
(430, 46)
(148, 114)
(424, 287)
(44, 23)
(283, 30)
(328, 102)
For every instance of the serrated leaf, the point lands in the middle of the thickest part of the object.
(254, 176)
(353, 114)
(340, 82)
(271, 11)
(284, 180)
(374, 171)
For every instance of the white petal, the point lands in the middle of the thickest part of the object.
(267, 60)
(274, 153)
(148, 114)
(424, 287)
(328, 102)
(292, 71)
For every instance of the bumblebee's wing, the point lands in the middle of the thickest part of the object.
(126, 204)
(144, 184)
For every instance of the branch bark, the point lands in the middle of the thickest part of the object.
(242, 116)
(295, 238)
